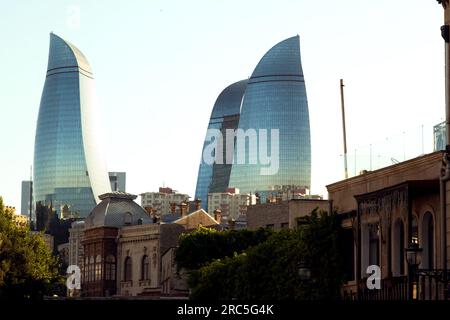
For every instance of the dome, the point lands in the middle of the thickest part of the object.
(117, 209)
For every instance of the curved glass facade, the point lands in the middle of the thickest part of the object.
(275, 98)
(225, 115)
(69, 169)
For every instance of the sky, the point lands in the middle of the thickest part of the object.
(160, 65)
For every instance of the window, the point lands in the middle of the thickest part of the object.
(374, 244)
(91, 268)
(110, 268)
(284, 225)
(127, 275)
(128, 219)
(145, 268)
(270, 226)
(85, 270)
(98, 267)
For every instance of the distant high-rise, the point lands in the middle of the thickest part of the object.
(117, 181)
(27, 198)
(268, 113)
(225, 115)
(69, 169)
(275, 99)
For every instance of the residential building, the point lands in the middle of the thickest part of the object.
(26, 207)
(118, 181)
(164, 201)
(64, 254)
(76, 237)
(283, 214)
(231, 203)
(69, 168)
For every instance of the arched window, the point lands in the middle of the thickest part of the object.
(398, 252)
(427, 241)
(91, 268)
(98, 267)
(110, 268)
(128, 218)
(145, 268)
(127, 274)
(86, 270)
(374, 244)
(415, 229)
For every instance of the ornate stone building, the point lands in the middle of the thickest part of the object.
(123, 247)
(383, 213)
(102, 226)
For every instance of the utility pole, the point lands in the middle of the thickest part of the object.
(343, 128)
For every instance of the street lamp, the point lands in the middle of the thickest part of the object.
(304, 272)
(414, 258)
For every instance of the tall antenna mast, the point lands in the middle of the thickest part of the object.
(343, 129)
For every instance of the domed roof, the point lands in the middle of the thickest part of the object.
(117, 209)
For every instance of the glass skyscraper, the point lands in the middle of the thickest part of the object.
(275, 99)
(69, 169)
(225, 115)
(273, 105)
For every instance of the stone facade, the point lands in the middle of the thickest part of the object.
(387, 210)
(173, 282)
(282, 215)
(123, 248)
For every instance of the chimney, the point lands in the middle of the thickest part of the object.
(149, 210)
(218, 215)
(173, 207)
(183, 209)
(198, 204)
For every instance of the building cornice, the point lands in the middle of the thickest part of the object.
(428, 159)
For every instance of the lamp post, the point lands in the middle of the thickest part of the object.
(413, 257)
(304, 272)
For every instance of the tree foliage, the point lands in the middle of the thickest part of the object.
(27, 267)
(204, 245)
(270, 270)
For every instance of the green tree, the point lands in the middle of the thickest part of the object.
(28, 270)
(205, 244)
(269, 270)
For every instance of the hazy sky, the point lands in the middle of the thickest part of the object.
(160, 65)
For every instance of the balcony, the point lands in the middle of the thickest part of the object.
(126, 284)
(144, 283)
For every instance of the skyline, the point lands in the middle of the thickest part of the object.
(373, 48)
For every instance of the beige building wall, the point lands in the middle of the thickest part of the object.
(173, 282)
(76, 236)
(161, 201)
(284, 214)
(231, 204)
(136, 242)
(425, 203)
(196, 219)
